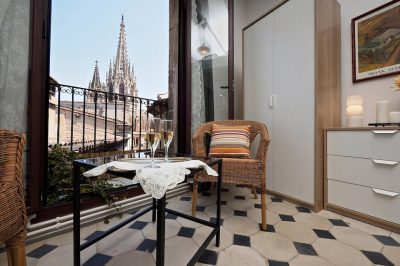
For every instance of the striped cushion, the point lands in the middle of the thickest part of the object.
(230, 141)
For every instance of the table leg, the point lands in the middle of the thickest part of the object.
(160, 249)
(219, 185)
(76, 214)
(153, 218)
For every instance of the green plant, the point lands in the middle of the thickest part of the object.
(59, 180)
(59, 174)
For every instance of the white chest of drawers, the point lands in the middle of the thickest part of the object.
(362, 170)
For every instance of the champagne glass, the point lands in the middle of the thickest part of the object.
(167, 135)
(153, 136)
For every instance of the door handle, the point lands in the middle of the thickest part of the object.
(384, 162)
(385, 131)
(385, 192)
(272, 101)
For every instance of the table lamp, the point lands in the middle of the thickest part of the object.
(354, 111)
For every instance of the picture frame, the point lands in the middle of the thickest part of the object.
(376, 42)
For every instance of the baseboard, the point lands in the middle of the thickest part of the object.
(291, 199)
(365, 218)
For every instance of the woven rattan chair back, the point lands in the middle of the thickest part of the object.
(12, 207)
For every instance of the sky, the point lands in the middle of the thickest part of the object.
(83, 31)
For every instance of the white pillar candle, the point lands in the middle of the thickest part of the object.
(394, 117)
(382, 111)
(355, 121)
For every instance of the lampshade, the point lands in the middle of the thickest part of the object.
(203, 50)
(354, 100)
(353, 110)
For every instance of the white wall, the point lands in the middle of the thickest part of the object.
(372, 91)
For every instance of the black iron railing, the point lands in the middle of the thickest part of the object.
(86, 120)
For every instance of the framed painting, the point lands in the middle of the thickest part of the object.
(376, 42)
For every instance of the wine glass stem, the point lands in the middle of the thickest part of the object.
(166, 153)
(152, 158)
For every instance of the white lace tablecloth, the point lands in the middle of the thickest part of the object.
(154, 181)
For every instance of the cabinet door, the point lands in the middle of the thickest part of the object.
(258, 76)
(293, 128)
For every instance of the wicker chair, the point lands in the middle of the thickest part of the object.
(12, 207)
(251, 172)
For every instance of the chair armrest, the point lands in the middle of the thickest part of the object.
(263, 149)
(199, 146)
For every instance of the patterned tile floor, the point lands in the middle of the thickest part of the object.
(296, 236)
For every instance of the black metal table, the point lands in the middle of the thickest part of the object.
(158, 208)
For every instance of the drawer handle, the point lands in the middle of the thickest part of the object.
(385, 131)
(385, 162)
(385, 192)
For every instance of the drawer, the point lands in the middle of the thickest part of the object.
(365, 200)
(367, 172)
(374, 144)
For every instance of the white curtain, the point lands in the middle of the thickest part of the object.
(14, 54)
(198, 102)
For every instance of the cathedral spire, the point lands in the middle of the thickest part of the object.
(95, 84)
(121, 61)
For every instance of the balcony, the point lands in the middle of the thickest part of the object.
(300, 183)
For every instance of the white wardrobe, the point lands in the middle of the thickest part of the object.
(291, 73)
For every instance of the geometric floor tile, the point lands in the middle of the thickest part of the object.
(305, 249)
(240, 255)
(148, 245)
(274, 199)
(240, 197)
(303, 209)
(138, 225)
(295, 236)
(171, 216)
(296, 232)
(214, 220)
(323, 234)
(277, 263)
(287, 218)
(186, 198)
(241, 240)
(98, 260)
(241, 225)
(313, 221)
(377, 258)
(41, 251)
(270, 228)
(240, 213)
(186, 232)
(304, 260)
(356, 238)
(200, 208)
(338, 253)
(132, 258)
(273, 246)
(209, 257)
(387, 240)
(392, 254)
(338, 222)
